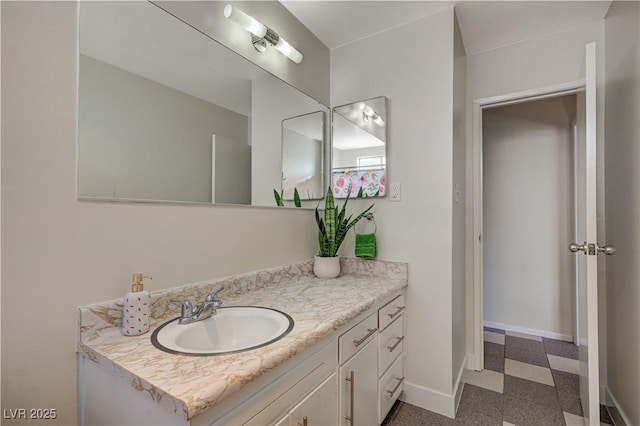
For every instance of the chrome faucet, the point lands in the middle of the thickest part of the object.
(190, 313)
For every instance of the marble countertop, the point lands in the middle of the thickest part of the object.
(189, 385)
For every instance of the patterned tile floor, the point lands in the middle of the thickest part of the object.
(528, 380)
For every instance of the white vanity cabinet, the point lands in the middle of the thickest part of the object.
(358, 373)
(351, 377)
(319, 408)
(371, 372)
(307, 390)
(390, 355)
(359, 388)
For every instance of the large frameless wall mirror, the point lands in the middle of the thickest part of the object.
(359, 149)
(302, 156)
(168, 114)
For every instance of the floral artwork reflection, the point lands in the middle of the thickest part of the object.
(371, 181)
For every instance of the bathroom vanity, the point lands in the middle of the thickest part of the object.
(340, 364)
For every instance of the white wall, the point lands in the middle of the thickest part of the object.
(232, 171)
(528, 215)
(272, 101)
(459, 206)
(414, 67)
(550, 60)
(59, 253)
(311, 76)
(348, 157)
(142, 140)
(622, 169)
(302, 165)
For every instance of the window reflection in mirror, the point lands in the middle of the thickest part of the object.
(168, 114)
(359, 148)
(302, 152)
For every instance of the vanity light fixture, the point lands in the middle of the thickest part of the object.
(369, 113)
(261, 35)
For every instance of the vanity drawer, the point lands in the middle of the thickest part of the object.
(390, 311)
(390, 344)
(389, 388)
(357, 337)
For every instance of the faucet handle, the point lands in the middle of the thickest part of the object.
(187, 307)
(211, 297)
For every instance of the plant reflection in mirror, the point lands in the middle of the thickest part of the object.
(280, 199)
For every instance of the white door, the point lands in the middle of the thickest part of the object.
(213, 169)
(586, 244)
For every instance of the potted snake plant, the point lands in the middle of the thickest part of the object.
(332, 230)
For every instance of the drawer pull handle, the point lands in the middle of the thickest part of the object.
(393, 315)
(304, 421)
(371, 331)
(392, 348)
(400, 381)
(352, 380)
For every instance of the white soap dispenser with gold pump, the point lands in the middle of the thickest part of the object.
(136, 312)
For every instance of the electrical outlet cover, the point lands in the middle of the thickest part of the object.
(394, 192)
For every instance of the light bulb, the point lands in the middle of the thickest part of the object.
(263, 33)
(246, 21)
(289, 51)
(378, 120)
(367, 110)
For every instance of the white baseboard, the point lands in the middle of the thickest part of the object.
(459, 386)
(604, 397)
(433, 400)
(533, 331)
(617, 411)
(429, 399)
(473, 362)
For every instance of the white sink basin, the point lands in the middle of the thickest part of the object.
(232, 329)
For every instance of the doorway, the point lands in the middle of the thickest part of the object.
(586, 219)
(529, 217)
(476, 355)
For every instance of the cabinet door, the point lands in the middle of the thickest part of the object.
(319, 408)
(359, 388)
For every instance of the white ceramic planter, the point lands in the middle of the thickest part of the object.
(326, 267)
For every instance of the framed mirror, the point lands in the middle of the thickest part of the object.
(359, 148)
(166, 113)
(302, 156)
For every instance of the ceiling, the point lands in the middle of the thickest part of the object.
(484, 25)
